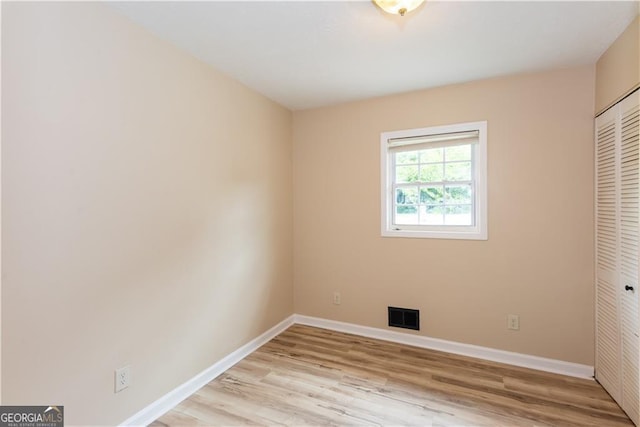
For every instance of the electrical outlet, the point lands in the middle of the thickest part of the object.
(336, 298)
(513, 322)
(122, 378)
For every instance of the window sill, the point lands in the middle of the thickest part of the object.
(423, 234)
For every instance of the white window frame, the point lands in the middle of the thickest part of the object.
(477, 231)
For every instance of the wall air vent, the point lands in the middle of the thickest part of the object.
(404, 318)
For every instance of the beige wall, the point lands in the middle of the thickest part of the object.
(146, 212)
(618, 69)
(538, 261)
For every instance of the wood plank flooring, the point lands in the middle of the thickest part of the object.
(310, 376)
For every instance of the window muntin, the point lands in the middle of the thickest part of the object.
(434, 182)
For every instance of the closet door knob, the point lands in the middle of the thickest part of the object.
(628, 288)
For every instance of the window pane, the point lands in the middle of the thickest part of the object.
(406, 215)
(431, 155)
(431, 173)
(431, 215)
(458, 171)
(458, 194)
(405, 157)
(458, 215)
(407, 196)
(458, 152)
(431, 195)
(406, 173)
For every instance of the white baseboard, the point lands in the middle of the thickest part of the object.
(167, 402)
(173, 398)
(511, 358)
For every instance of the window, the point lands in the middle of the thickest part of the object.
(434, 182)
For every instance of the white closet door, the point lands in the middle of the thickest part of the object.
(617, 257)
(608, 343)
(629, 198)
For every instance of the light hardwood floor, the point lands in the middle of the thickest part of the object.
(311, 376)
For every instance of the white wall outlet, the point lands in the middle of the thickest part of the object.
(513, 322)
(122, 378)
(336, 298)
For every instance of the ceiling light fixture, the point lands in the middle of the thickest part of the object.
(398, 7)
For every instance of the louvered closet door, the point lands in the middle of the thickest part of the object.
(608, 343)
(617, 257)
(629, 198)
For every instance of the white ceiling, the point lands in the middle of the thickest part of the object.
(305, 54)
